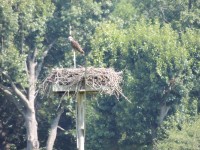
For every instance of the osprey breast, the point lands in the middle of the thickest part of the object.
(76, 46)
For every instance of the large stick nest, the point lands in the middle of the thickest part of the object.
(105, 80)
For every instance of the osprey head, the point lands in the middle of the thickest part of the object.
(70, 38)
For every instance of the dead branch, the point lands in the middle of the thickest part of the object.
(16, 90)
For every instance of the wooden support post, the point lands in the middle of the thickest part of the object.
(80, 120)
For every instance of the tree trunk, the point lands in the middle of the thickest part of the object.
(163, 113)
(26, 104)
(53, 131)
(31, 129)
(30, 116)
(189, 4)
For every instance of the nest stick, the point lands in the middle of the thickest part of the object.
(105, 80)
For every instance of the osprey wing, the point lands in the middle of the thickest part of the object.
(77, 46)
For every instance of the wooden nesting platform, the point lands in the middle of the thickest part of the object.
(82, 81)
(103, 80)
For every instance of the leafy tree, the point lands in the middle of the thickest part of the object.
(22, 56)
(190, 18)
(186, 138)
(11, 125)
(180, 14)
(101, 120)
(161, 65)
(33, 35)
(157, 74)
(191, 42)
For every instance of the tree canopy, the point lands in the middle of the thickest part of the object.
(156, 44)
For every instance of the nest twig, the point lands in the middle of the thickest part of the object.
(105, 80)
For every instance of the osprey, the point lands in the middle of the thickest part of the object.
(75, 45)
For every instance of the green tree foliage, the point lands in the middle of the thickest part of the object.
(191, 42)
(11, 126)
(157, 72)
(29, 30)
(83, 17)
(186, 138)
(180, 14)
(190, 17)
(155, 43)
(48, 109)
(101, 120)
(23, 26)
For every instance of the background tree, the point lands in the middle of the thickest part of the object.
(155, 43)
(22, 56)
(186, 138)
(34, 34)
(157, 74)
(11, 126)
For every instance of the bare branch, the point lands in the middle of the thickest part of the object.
(26, 69)
(6, 90)
(39, 67)
(16, 90)
(59, 127)
(8, 93)
(20, 94)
